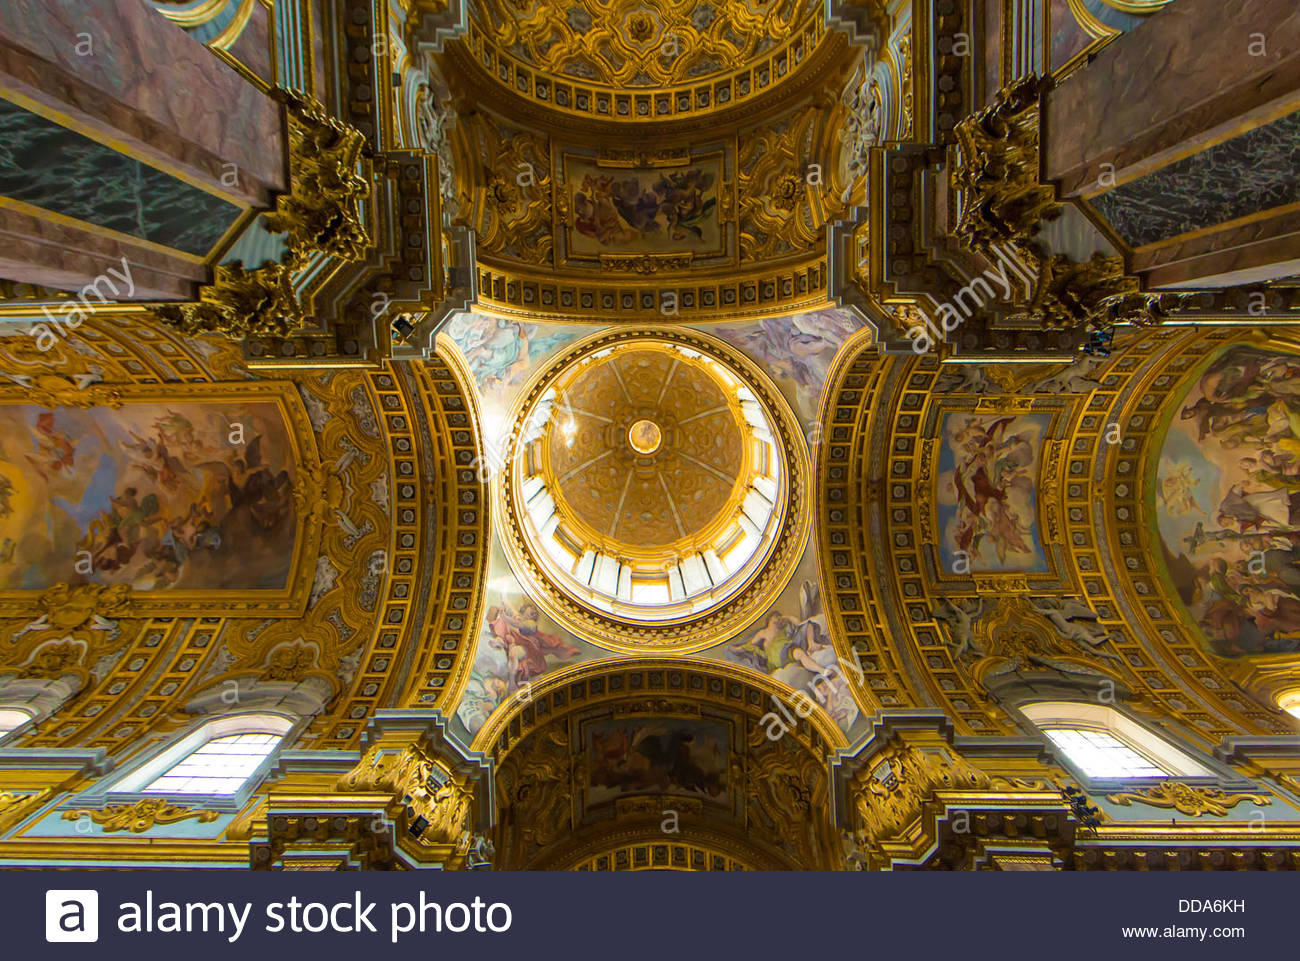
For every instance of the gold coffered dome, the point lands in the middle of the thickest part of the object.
(646, 450)
(594, 57)
(653, 484)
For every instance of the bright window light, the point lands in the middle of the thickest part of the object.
(1104, 743)
(12, 718)
(220, 766)
(1102, 755)
(1290, 702)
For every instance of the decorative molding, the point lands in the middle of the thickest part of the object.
(1187, 799)
(140, 816)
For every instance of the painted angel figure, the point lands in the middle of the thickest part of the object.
(525, 644)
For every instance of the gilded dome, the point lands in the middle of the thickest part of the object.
(647, 43)
(651, 482)
(646, 449)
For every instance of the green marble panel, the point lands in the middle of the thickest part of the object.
(59, 170)
(1254, 172)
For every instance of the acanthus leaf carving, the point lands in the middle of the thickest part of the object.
(140, 816)
(1187, 799)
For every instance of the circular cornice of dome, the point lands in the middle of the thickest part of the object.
(655, 494)
(643, 60)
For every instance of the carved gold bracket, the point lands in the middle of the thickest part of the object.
(241, 303)
(320, 214)
(995, 169)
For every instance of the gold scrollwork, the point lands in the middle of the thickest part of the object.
(1002, 198)
(624, 44)
(414, 777)
(1186, 799)
(902, 780)
(322, 211)
(240, 303)
(781, 208)
(140, 816)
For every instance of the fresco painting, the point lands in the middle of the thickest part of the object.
(657, 756)
(792, 644)
(644, 210)
(796, 352)
(1226, 497)
(155, 496)
(518, 645)
(500, 352)
(987, 500)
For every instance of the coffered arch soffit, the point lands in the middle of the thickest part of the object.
(984, 529)
(358, 463)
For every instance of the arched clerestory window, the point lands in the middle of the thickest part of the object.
(11, 719)
(1105, 744)
(219, 759)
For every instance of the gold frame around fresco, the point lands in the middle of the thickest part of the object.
(629, 161)
(1046, 511)
(291, 601)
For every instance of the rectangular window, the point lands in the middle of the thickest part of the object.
(1102, 755)
(221, 766)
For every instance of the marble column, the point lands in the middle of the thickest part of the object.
(133, 140)
(1181, 136)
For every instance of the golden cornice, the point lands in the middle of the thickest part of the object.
(771, 291)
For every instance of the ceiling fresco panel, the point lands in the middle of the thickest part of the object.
(1226, 499)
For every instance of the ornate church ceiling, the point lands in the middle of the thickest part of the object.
(634, 403)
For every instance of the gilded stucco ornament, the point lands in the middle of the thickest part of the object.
(1096, 292)
(240, 303)
(1002, 198)
(75, 626)
(652, 43)
(993, 637)
(320, 214)
(536, 790)
(59, 390)
(1003, 202)
(434, 119)
(1186, 799)
(417, 780)
(782, 205)
(140, 816)
(903, 778)
(322, 211)
(864, 115)
(15, 806)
